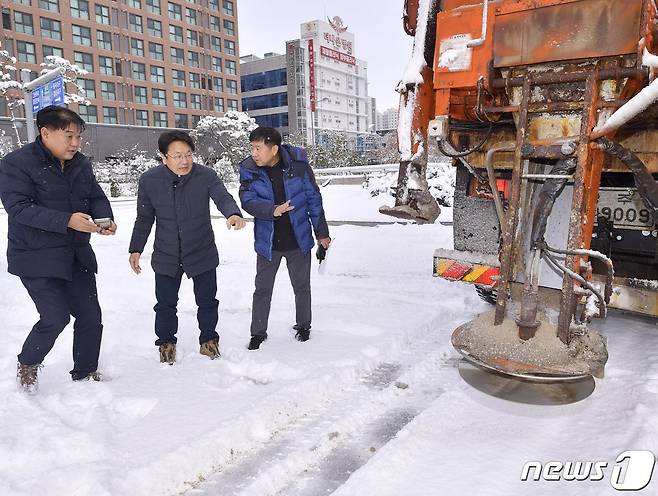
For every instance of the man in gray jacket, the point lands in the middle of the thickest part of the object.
(176, 195)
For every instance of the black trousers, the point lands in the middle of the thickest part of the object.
(56, 301)
(166, 319)
(299, 270)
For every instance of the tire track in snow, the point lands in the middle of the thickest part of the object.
(317, 453)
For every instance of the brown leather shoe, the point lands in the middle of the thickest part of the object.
(210, 349)
(168, 353)
(27, 377)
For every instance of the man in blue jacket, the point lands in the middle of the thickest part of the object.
(51, 196)
(176, 196)
(278, 188)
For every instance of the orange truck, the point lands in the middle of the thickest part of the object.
(547, 110)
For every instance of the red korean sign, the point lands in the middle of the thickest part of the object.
(311, 75)
(336, 55)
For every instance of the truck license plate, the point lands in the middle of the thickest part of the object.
(625, 208)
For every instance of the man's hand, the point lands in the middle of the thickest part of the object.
(235, 221)
(110, 231)
(134, 262)
(325, 242)
(282, 209)
(83, 223)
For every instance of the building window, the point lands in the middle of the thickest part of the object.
(216, 63)
(141, 118)
(84, 60)
(158, 97)
(6, 19)
(229, 27)
(262, 80)
(156, 51)
(233, 105)
(176, 34)
(108, 91)
(264, 101)
(102, 14)
(218, 83)
(213, 4)
(81, 35)
(195, 101)
(137, 47)
(191, 16)
(80, 9)
(195, 81)
(177, 56)
(160, 119)
(180, 99)
(192, 38)
(110, 115)
(153, 6)
(175, 11)
(51, 5)
(181, 121)
(228, 8)
(229, 47)
(104, 39)
(231, 67)
(50, 28)
(50, 51)
(178, 77)
(135, 4)
(157, 74)
(141, 94)
(219, 104)
(23, 2)
(26, 52)
(88, 86)
(193, 59)
(195, 120)
(23, 23)
(231, 87)
(89, 113)
(135, 23)
(216, 43)
(105, 65)
(139, 71)
(154, 28)
(214, 23)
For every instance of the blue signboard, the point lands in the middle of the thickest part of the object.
(51, 93)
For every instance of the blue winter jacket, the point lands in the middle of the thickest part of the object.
(257, 198)
(39, 198)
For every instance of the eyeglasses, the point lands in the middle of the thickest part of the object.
(178, 156)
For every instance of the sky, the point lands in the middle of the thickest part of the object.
(377, 27)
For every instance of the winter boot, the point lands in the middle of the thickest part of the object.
(303, 333)
(168, 353)
(89, 376)
(210, 349)
(27, 377)
(256, 341)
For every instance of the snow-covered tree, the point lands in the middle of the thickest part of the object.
(71, 74)
(122, 172)
(223, 142)
(333, 150)
(10, 89)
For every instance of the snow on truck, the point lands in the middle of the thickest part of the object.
(546, 108)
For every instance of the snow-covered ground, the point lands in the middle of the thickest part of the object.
(375, 403)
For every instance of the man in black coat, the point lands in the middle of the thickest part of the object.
(51, 196)
(176, 196)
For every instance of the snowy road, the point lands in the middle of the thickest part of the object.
(374, 404)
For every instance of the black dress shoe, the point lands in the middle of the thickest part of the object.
(256, 341)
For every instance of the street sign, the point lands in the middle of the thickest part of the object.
(50, 93)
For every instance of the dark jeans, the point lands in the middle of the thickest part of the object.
(299, 270)
(166, 292)
(56, 300)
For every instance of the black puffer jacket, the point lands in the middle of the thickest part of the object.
(180, 207)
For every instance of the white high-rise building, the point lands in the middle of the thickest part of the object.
(337, 83)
